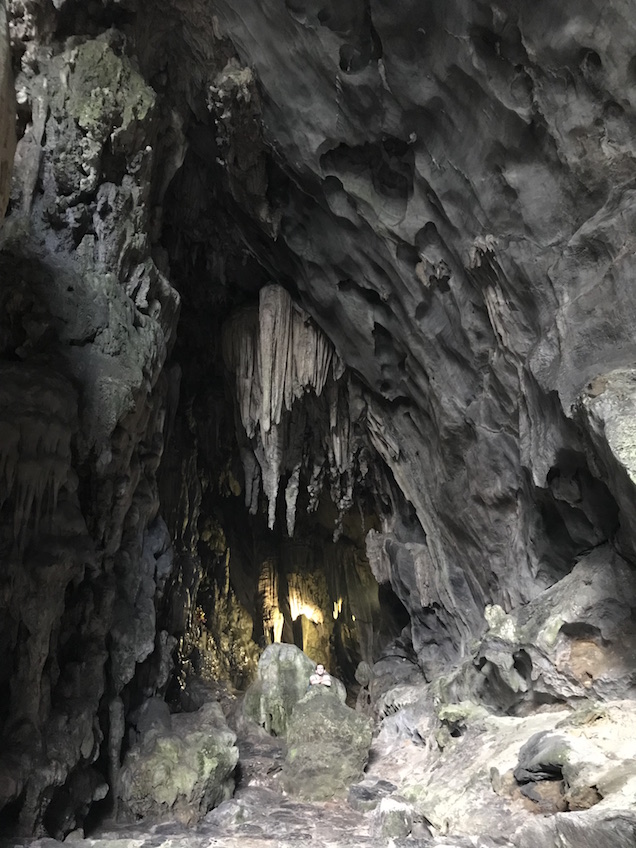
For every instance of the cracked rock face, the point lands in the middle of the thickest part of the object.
(296, 297)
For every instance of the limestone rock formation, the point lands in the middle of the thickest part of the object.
(466, 252)
(278, 356)
(573, 643)
(7, 112)
(327, 747)
(180, 771)
(467, 771)
(616, 830)
(87, 323)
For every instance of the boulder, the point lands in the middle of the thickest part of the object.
(281, 681)
(573, 642)
(327, 747)
(493, 774)
(366, 796)
(180, 772)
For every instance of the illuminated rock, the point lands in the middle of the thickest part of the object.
(277, 357)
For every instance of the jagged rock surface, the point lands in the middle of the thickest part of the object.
(7, 112)
(573, 643)
(458, 212)
(277, 356)
(88, 320)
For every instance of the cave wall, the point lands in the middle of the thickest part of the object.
(87, 322)
(440, 196)
(121, 210)
(7, 112)
(459, 212)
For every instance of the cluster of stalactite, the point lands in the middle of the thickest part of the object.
(293, 403)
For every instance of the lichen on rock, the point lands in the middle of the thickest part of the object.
(281, 681)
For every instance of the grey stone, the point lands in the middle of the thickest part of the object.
(435, 204)
(184, 773)
(393, 818)
(541, 758)
(7, 114)
(366, 796)
(327, 747)
(152, 719)
(609, 829)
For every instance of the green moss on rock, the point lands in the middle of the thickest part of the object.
(103, 93)
(182, 774)
(282, 680)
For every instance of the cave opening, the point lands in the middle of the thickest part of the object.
(268, 525)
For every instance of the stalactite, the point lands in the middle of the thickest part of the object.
(293, 405)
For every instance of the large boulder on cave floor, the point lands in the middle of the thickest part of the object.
(281, 681)
(327, 747)
(181, 767)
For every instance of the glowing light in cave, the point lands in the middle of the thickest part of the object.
(273, 618)
(278, 619)
(337, 608)
(299, 606)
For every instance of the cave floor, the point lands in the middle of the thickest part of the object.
(260, 815)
